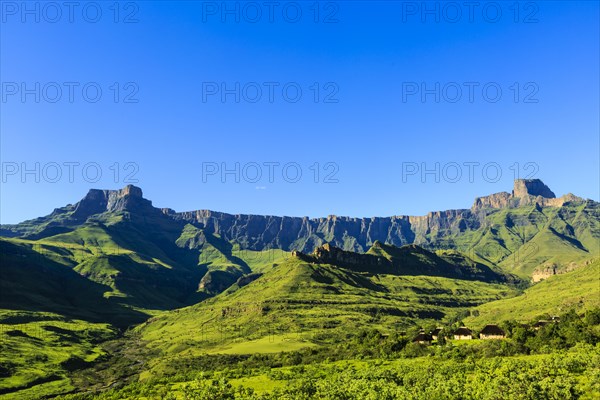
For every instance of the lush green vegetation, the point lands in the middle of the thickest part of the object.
(579, 289)
(524, 238)
(38, 350)
(134, 303)
(565, 375)
(559, 361)
(295, 304)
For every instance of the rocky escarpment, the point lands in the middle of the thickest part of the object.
(532, 187)
(95, 202)
(259, 232)
(545, 271)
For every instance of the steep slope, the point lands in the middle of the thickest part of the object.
(44, 282)
(52, 319)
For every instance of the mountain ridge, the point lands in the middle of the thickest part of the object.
(495, 227)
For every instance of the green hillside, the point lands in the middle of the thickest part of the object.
(522, 239)
(579, 289)
(296, 304)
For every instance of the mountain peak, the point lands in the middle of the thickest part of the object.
(131, 190)
(531, 187)
(97, 201)
(525, 192)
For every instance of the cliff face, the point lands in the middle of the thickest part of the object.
(259, 232)
(525, 192)
(532, 187)
(356, 234)
(99, 201)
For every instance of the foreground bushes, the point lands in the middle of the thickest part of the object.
(559, 361)
(572, 374)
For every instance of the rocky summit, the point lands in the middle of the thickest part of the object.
(99, 201)
(532, 187)
(525, 192)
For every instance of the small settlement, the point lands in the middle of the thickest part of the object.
(488, 332)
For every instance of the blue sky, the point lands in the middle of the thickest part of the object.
(362, 120)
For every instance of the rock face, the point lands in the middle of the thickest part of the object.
(525, 192)
(543, 273)
(258, 232)
(99, 201)
(532, 187)
(547, 270)
(497, 200)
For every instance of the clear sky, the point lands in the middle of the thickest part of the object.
(369, 94)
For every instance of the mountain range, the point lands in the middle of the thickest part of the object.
(527, 230)
(183, 283)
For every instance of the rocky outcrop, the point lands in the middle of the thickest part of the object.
(496, 200)
(531, 187)
(100, 201)
(525, 192)
(328, 254)
(556, 202)
(547, 270)
(406, 260)
(543, 273)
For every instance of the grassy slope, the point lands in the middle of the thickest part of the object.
(37, 353)
(52, 319)
(62, 295)
(579, 289)
(296, 304)
(522, 239)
